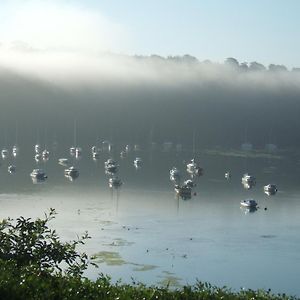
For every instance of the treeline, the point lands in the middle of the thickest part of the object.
(230, 62)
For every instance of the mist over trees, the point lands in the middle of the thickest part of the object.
(123, 98)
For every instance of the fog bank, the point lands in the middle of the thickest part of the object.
(124, 98)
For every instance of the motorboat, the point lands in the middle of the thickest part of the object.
(95, 152)
(114, 182)
(123, 154)
(37, 148)
(72, 172)
(174, 175)
(227, 175)
(96, 155)
(45, 154)
(185, 192)
(110, 161)
(38, 174)
(270, 189)
(11, 169)
(72, 151)
(63, 161)
(191, 166)
(78, 152)
(138, 162)
(4, 153)
(127, 148)
(249, 203)
(15, 151)
(198, 171)
(248, 179)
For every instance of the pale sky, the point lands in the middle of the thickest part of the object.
(266, 31)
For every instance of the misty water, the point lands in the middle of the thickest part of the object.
(143, 232)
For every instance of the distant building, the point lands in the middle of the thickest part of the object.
(167, 146)
(271, 147)
(247, 147)
(178, 147)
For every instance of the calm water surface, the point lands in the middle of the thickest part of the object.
(142, 232)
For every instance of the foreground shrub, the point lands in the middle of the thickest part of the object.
(33, 244)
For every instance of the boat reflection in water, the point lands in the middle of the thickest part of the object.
(184, 192)
(248, 186)
(38, 181)
(38, 176)
(38, 157)
(11, 169)
(247, 210)
(71, 173)
(63, 162)
(71, 178)
(227, 175)
(115, 182)
(123, 154)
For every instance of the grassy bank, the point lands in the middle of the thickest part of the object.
(27, 284)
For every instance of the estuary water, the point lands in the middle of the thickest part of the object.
(142, 232)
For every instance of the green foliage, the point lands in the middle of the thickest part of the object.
(31, 256)
(30, 243)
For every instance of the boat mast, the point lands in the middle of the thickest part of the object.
(45, 137)
(75, 134)
(16, 141)
(194, 142)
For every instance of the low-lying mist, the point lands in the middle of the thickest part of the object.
(134, 98)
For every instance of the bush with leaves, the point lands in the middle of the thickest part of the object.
(32, 243)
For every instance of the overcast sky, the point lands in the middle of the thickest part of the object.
(266, 31)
